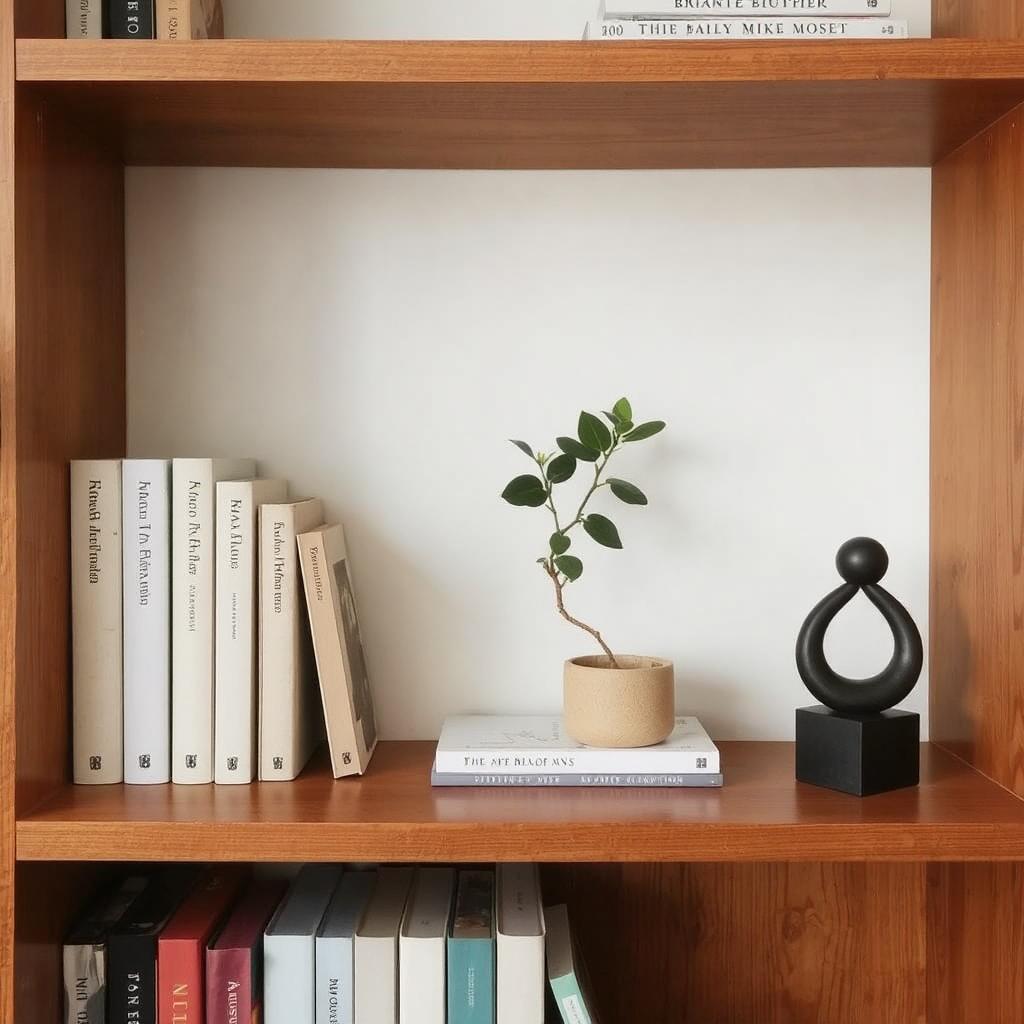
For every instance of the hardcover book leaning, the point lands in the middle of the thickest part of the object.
(500, 750)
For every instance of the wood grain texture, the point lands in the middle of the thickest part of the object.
(393, 814)
(975, 943)
(977, 454)
(531, 105)
(39, 19)
(978, 19)
(736, 944)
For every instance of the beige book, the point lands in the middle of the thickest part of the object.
(340, 661)
(189, 19)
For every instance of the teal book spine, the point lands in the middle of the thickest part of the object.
(470, 981)
(569, 997)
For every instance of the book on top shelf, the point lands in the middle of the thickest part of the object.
(541, 780)
(725, 29)
(538, 744)
(189, 19)
(746, 8)
(83, 19)
(131, 19)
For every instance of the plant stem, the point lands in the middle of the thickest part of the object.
(560, 602)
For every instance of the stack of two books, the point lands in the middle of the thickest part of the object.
(496, 750)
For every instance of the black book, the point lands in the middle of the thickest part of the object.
(131, 19)
(132, 948)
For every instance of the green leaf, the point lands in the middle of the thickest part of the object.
(602, 530)
(559, 543)
(569, 566)
(561, 468)
(593, 433)
(623, 410)
(523, 447)
(645, 430)
(627, 492)
(611, 418)
(572, 447)
(526, 490)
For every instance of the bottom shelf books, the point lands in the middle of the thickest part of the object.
(332, 945)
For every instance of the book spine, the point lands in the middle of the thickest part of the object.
(747, 8)
(131, 19)
(229, 986)
(131, 981)
(587, 761)
(235, 640)
(85, 988)
(471, 981)
(334, 980)
(571, 1003)
(96, 586)
(704, 781)
(83, 19)
(279, 645)
(146, 532)
(180, 982)
(289, 979)
(192, 620)
(752, 28)
(173, 19)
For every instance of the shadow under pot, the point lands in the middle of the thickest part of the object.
(629, 706)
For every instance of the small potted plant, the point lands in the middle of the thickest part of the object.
(611, 700)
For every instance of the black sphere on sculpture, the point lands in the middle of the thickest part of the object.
(862, 562)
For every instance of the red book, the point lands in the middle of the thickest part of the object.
(234, 961)
(181, 951)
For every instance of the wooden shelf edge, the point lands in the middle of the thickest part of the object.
(509, 63)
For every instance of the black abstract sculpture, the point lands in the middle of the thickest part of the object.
(854, 743)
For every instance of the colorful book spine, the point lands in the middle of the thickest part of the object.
(83, 19)
(131, 19)
(471, 951)
(146, 531)
(96, 589)
(747, 8)
(724, 29)
(701, 781)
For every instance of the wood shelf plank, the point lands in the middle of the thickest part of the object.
(393, 814)
(531, 104)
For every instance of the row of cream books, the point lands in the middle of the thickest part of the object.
(206, 607)
(725, 20)
(144, 19)
(395, 945)
(536, 750)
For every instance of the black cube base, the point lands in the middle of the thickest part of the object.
(858, 754)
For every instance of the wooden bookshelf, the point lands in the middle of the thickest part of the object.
(766, 901)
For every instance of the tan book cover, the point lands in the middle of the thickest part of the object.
(189, 19)
(338, 646)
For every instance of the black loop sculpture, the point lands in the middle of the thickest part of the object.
(862, 562)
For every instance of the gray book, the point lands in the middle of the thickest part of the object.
(700, 781)
(335, 948)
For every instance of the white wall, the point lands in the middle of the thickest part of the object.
(375, 336)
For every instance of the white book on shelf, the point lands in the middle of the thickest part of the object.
(536, 744)
(96, 624)
(193, 544)
(376, 949)
(422, 948)
(83, 19)
(695, 9)
(747, 29)
(521, 982)
(290, 715)
(289, 946)
(235, 647)
(335, 948)
(146, 533)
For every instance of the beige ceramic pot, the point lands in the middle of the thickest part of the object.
(630, 706)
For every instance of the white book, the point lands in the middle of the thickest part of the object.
(83, 19)
(193, 544)
(289, 946)
(746, 8)
(513, 744)
(335, 948)
(422, 946)
(96, 587)
(235, 674)
(725, 29)
(521, 982)
(290, 716)
(146, 533)
(376, 949)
